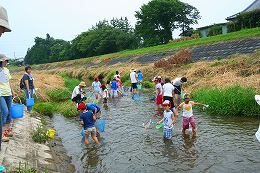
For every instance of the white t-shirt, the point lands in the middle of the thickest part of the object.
(158, 86)
(168, 89)
(77, 90)
(177, 81)
(167, 119)
(105, 93)
(133, 77)
(187, 109)
(5, 89)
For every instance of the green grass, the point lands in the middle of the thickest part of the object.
(231, 101)
(246, 33)
(70, 83)
(59, 95)
(45, 108)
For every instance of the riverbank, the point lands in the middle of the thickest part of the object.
(21, 150)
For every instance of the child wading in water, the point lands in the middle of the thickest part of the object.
(87, 119)
(104, 95)
(188, 117)
(168, 119)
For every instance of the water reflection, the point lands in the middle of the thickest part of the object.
(222, 144)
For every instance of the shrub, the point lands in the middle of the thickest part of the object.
(148, 84)
(59, 95)
(125, 77)
(45, 108)
(231, 101)
(67, 109)
(215, 30)
(40, 134)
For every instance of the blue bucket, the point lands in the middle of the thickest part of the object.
(30, 102)
(101, 125)
(2, 168)
(16, 110)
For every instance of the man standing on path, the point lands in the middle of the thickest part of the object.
(133, 78)
(177, 83)
(5, 100)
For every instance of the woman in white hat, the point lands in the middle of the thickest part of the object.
(5, 89)
(78, 93)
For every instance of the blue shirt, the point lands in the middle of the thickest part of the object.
(87, 118)
(92, 107)
(114, 85)
(139, 76)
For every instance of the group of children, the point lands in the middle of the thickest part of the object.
(168, 96)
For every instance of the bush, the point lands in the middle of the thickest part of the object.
(67, 109)
(231, 101)
(40, 134)
(148, 84)
(215, 30)
(45, 108)
(59, 95)
(125, 77)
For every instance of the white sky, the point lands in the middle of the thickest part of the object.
(65, 19)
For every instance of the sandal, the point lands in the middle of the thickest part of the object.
(9, 132)
(5, 137)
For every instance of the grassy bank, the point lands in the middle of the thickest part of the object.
(230, 101)
(59, 100)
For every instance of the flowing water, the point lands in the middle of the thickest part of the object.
(221, 145)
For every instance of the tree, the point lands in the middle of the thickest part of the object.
(157, 20)
(122, 24)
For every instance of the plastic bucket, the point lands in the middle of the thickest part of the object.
(51, 133)
(16, 110)
(2, 168)
(101, 125)
(30, 101)
(139, 86)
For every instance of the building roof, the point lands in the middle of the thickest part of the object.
(254, 6)
(205, 27)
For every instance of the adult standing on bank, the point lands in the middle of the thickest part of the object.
(133, 78)
(177, 83)
(28, 85)
(5, 89)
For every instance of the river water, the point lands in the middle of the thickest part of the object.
(221, 145)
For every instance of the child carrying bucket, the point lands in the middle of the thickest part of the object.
(87, 119)
(168, 119)
(188, 117)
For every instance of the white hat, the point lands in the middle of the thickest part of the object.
(4, 19)
(3, 57)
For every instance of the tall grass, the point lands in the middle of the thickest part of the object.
(59, 95)
(70, 83)
(231, 101)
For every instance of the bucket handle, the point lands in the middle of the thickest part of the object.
(18, 99)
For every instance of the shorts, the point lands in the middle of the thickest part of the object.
(186, 121)
(134, 85)
(170, 99)
(105, 100)
(177, 89)
(114, 93)
(91, 130)
(159, 99)
(167, 133)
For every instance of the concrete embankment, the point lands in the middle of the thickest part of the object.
(22, 149)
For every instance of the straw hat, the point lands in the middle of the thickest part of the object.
(3, 57)
(83, 84)
(133, 70)
(4, 19)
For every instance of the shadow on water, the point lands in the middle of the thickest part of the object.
(221, 145)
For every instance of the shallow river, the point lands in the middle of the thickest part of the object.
(221, 145)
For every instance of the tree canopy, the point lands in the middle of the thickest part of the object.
(159, 18)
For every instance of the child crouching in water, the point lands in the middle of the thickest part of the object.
(87, 119)
(188, 117)
(169, 119)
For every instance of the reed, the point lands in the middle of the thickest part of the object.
(230, 101)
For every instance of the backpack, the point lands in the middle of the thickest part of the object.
(21, 84)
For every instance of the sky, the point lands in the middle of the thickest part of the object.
(65, 19)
